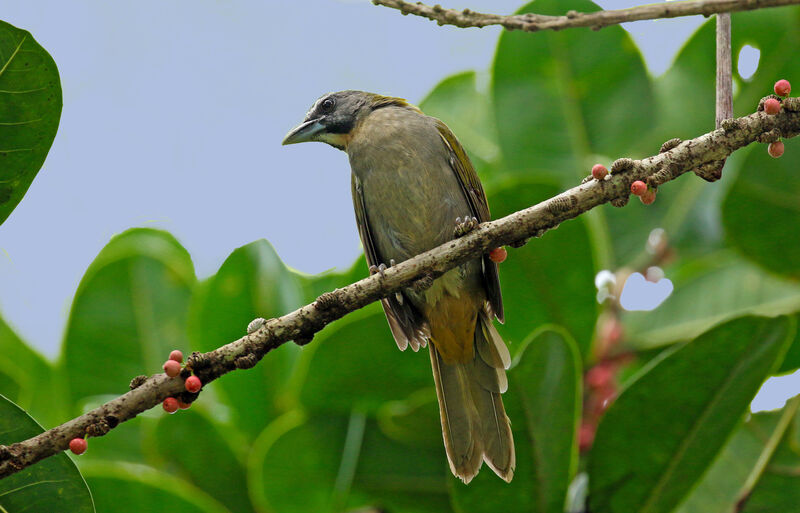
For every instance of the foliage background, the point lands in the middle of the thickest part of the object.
(349, 422)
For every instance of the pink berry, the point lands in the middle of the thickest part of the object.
(183, 406)
(172, 368)
(648, 197)
(193, 384)
(176, 356)
(599, 171)
(638, 187)
(772, 106)
(498, 255)
(170, 405)
(783, 87)
(586, 436)
(775, 149)
(78, 445)
(599, 376)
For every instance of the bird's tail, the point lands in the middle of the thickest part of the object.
(474, 423)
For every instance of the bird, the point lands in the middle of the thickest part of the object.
(414, 188)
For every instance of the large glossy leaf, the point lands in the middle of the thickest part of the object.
(27, 378)
(668, 425)
(128, 313)
(188, 441)
(359, 360)
(707, 292)
(252, 282)
(550, 280)
(30, 108)
(739, 463)
(761, 210)
(543, 403)
(53, 484)
(778, 486)
(560, 97)
(126, 488)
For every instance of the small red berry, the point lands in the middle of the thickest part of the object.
(599, 171)
(172, 368)
(78, 445)
(193, 384)
(170, 405)
(183, 406)
(176, 356)
(638, 187)
(648, 197)
(586, 436)
(599, 376)
(772, 106)
(498, 255)
(783, 87)
(775, 149)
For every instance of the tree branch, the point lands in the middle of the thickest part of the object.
(675, 159)
(595, 20)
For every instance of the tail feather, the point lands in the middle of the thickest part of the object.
(475, 426)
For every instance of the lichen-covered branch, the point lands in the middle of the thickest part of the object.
(595, 20)
(675, 159)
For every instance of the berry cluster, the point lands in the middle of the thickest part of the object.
(772, 106)
(645, 193)
(172, 368)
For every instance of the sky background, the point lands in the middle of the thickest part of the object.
(173, 117)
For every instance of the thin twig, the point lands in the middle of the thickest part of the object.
(595, 20)
(301, 325)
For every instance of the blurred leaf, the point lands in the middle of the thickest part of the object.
(190, 440)
(27, 378)
(129, 311)
(359, 360)
(126, 488)
(333, 463)
(30, 108)
(557, 93)
(456, 101)
(543, 403)
(761, 210)
(778, 487)
(665, 429)
(706, 293)
(53, 484)
(791, 361)
(721, 487)
(413, 421)
(252, 282)
(549, 280)
(314, 285)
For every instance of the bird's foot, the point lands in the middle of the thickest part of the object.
(381, 269)
(464, 227)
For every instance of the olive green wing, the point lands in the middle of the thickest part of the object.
(407, 325)
(473, 190)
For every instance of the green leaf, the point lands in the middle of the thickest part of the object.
(27, 378)
(129, 311)
(53, 484)
(126, 488)
(549, 280)
(252, 282)
(30, 108)
(358, 358)
(778, 487)
(556, 94)
(707, 292)
(751, 445)
(791, 361)
(543, 403)
(188, 442)
(457, 101)
(761, 210)
(665, 429)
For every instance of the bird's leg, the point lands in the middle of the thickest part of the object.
(381, 269)
(464, 227)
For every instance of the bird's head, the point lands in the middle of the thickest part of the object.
(335, 116)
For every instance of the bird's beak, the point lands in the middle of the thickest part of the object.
(305, 132)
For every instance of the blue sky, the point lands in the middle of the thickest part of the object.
(173, 116)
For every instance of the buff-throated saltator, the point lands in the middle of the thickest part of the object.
(411, 181)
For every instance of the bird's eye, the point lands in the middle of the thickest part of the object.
(327, 105)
